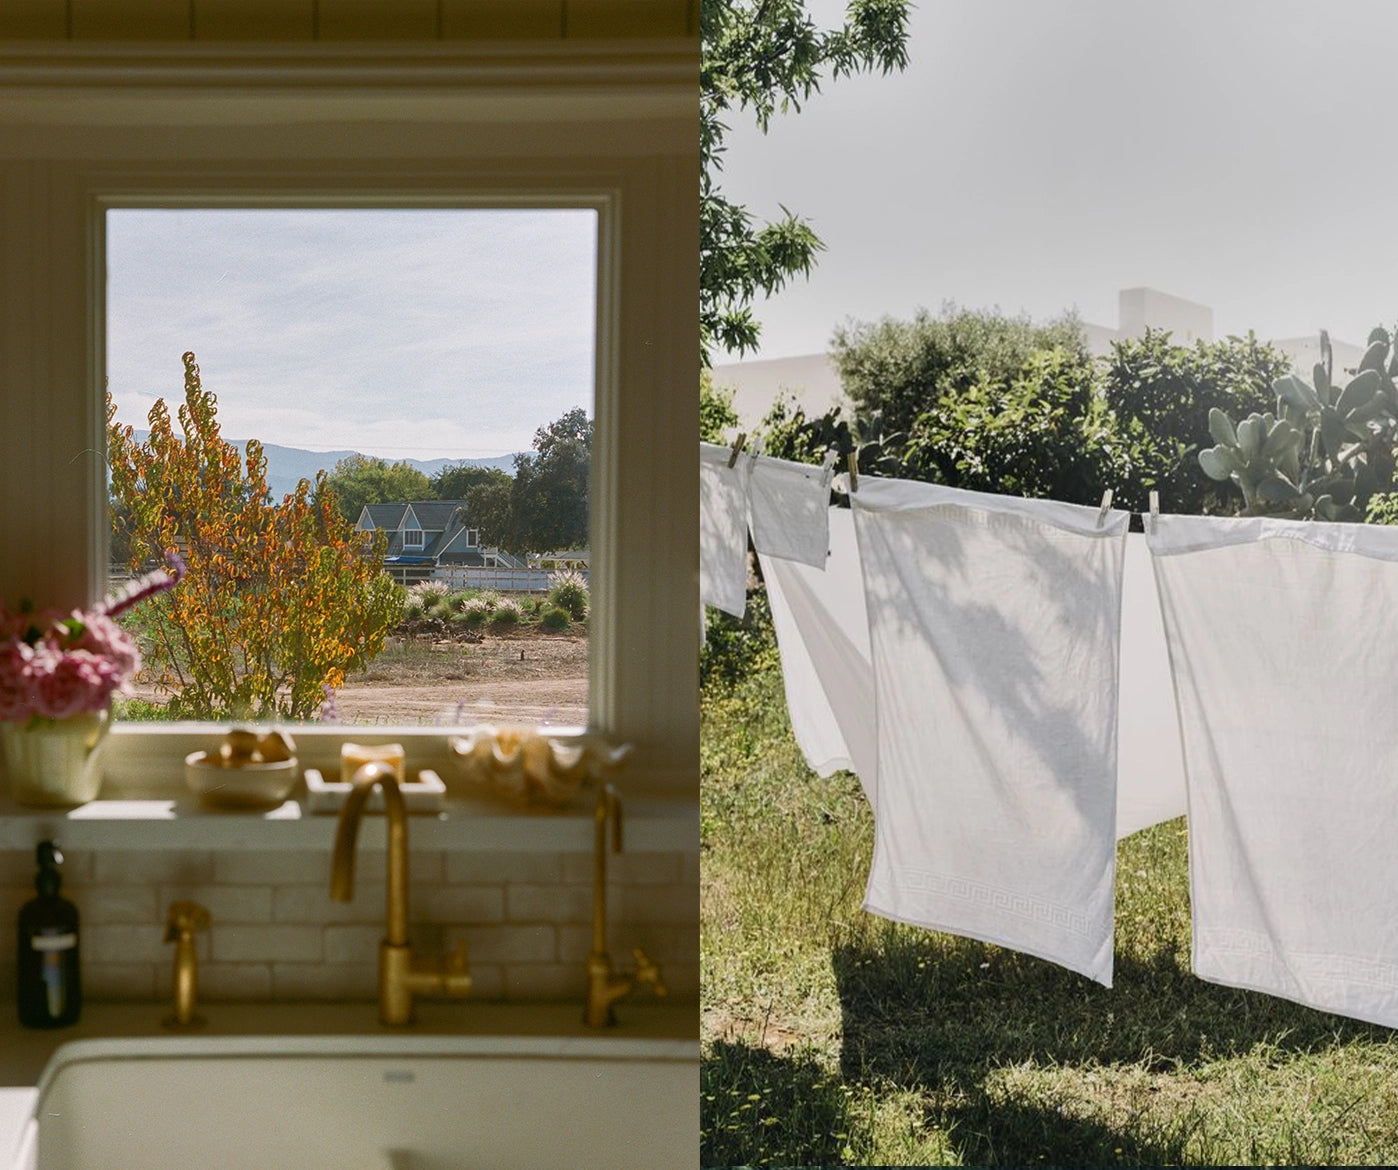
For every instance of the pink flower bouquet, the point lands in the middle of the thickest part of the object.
(54, 665)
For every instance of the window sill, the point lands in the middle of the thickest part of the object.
(653, 824)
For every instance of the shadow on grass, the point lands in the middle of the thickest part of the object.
(931, 1006)
(938, 1015)
(760, 1108)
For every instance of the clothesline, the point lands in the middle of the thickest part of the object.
(1000, 674)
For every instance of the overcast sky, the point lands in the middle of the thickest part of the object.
(1040, 155)
(404, 334)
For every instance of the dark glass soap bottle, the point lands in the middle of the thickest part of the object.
(46, 968)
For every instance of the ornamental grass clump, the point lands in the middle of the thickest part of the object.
(472, 614)
(555, 619)
(568, 591)
(505, 615)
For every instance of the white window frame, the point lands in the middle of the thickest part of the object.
(412, 538)
(515, 127)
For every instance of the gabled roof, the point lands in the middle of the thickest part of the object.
(432, 515)
(381, 515)
(436, 515)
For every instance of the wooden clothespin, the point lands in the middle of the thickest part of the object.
(1154, 510)
(1106, 507)
(853, 472)
(827, 467)
(737, 446)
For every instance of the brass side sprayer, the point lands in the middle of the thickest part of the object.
(183, 919)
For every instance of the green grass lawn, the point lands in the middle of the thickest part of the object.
(831, 1037)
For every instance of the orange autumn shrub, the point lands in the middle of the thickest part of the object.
(281, 600)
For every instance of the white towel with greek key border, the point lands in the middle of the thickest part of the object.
(994, 631)
(723, 529)
(1282, 639)
(823, 637)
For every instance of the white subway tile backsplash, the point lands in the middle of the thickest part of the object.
(512, 944)
(466, 904)
(545, 981)
(624, 868)
(123, 981)
(487, 981)
(235, 981)
(492, 868)
(352, 944)
(134, 866)
(225, 904)
(666, 904)
(548, 904)
(108, 904)
(325, 981)
(272, 867)
(117, 942)
(313, 904)
(271, 943)
(276, 934)
(17, 866)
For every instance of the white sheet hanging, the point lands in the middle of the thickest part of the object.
(787, 507)
(823, 637)
(1150, 765)
(723, 529)
(994, 636)
(1282, 637)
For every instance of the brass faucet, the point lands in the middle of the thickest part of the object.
(183, 920)
(401, 975)
(604, 986)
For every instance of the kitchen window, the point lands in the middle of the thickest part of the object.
(628, 153)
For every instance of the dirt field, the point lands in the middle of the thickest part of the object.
(512, 677)
(523, 677)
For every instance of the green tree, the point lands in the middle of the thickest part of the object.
(716, 413)
(1043, 431)
(548, 499)
(1161, 394)
(768, 56)
(903, 368)
(488, 509)
(455, 480)
(357, 480)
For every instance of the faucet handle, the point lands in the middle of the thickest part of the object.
(647, 971)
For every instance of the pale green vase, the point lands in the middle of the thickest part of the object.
(55, 763)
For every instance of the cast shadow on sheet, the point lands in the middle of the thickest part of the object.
(1027, 700)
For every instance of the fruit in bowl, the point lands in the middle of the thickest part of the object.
(250, 770)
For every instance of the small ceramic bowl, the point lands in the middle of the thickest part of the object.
(247, 786)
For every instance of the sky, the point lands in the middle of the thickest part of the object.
(1041, 155)
(404, 334)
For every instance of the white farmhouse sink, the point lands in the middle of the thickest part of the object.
(342, 1102)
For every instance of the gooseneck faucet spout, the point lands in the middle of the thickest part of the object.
(401, 974)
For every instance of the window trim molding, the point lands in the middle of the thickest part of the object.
(133, 747)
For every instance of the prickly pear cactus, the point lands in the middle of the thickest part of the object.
(1325, 451)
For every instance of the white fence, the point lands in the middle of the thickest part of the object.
(505, 580)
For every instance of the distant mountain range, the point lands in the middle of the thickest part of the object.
(286, 466)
